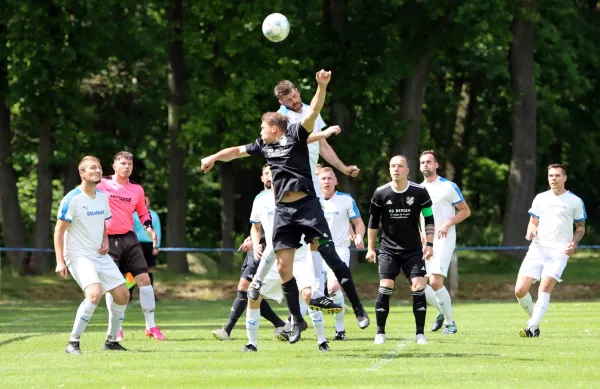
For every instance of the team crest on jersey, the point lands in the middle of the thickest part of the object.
(410, 200)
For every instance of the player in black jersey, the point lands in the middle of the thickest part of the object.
(398, 206)
(298, 210)
(248, 271)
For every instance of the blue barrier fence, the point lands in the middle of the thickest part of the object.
(216, 249)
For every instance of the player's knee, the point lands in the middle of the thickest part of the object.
(520, 291)
(418, 283)
(121, 295)
(93, 293)
(436, 283)
(142, 280)
(243, 285)
(307, 294)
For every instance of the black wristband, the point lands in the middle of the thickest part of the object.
(148, 224)
(429, 244)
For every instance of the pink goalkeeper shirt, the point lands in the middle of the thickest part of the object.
(123, 200)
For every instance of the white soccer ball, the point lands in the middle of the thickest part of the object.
(276, 27)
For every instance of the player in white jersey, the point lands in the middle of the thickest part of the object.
(340, 209)
(446, 197)
(81, 246)
(291, 106)
(550, 231)
(263, 211)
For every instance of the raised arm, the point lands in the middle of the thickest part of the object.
(224, 155)
(318, 100)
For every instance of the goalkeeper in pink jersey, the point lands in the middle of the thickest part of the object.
(125, 197)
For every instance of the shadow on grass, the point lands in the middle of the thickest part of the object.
(17, 339)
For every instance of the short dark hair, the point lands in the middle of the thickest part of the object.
(558, 166)
(275, 119)
(126, 155)
(401, 156)
(431, 152)
(283, 88)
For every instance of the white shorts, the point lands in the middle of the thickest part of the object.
(92, 270)
(344, 253)
(303, 274)
(439, 263)
(543, 262)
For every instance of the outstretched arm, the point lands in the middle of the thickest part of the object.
(224, 155)
(322, 135)
(318, 100)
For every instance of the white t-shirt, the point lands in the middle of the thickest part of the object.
(263, 212)
(556, 216)
(86, 215)
(339, 210)
(445, 195)
(313, 148)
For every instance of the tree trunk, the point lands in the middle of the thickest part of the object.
(71, 172)
(521, 180)
(227, 215)
(12, 221)
(40, 260)
(410, 112)
(177, 199)
(456, 155)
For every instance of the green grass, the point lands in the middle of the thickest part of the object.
(486, 353)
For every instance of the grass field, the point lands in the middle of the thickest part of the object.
(486, 353)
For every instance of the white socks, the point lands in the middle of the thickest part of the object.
(338, 298)
(316, 260)
(318, 324)
(148, 304)
(116, 315)
(444, 303)
(539, 310)
(431, 298)
(527, 304)
(84, 313)
(252, 325)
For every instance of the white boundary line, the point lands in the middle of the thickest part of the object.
(389, 357)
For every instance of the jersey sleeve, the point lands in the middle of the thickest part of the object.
(425, 199)
(535, 207)
(375, 211)
(298, 131)
(141, 208)
(579, 214)
(67, 209)
(456, 196)
(255, 213)
(255, 147)
(353, 212)
(107, 208)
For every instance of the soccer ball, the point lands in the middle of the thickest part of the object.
(276, 27)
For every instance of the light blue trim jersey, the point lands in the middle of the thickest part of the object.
(339, 210)
(445, 195)
(556, 216)
(86, 216)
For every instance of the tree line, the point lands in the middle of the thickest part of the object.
(499, 89)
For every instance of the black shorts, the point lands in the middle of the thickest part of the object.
(411, 263)
(249, 267)
(304, 216)
(147, 248)
(126, 251)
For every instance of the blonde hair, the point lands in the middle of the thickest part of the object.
(326, 169)
(88, 158)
